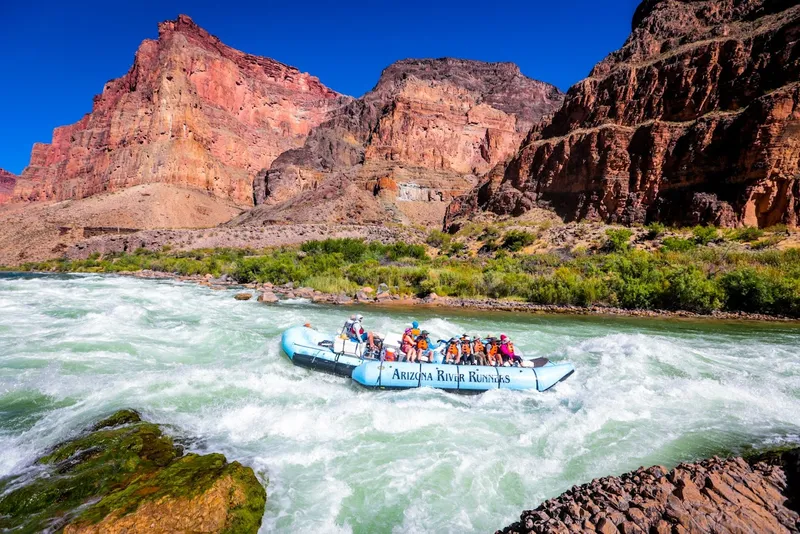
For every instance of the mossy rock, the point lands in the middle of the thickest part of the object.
(112, 470)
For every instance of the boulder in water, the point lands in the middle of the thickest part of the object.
(243, 296)
(268, 297)
(125, 475)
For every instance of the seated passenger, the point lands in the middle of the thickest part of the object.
(359, 335)
(424, 352)
(467, 358)
(407, 346)
(507, 351)
(452, 354)
(348, 324)
(479, 351)
(415, 329)
(492, 355)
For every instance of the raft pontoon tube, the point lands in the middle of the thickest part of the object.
(474, 378)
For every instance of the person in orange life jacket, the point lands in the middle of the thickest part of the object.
(492, 355)
(358, 334)
(424, 352)
(479, 351)
(467, 358)
(452, 354)
(507, 351)
(408, 346)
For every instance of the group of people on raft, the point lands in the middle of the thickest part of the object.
(416, 347)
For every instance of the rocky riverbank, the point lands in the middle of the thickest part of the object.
(271, 294)
(124, 475)
(716, 495)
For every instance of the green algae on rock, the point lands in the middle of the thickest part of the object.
(125, 475)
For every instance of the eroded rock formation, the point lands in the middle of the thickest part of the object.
(192, 112)
(7, 183)
(405, 149)
(712, 496)
(126, 476)
(694, 120)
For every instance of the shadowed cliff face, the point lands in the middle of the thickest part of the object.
(694, 120)
(192, 112)
(7, 183)
(423, 134)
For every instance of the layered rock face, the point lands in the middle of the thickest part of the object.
(423, 134)
(191, 112)
(713, 496)
(695, 120)
(7, 183)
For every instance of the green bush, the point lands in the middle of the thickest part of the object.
(677, 244)
(516, 240)
(437, 238)
(749, 290)
(769, 242)
(618, 239)
(690, 289)
(655, 230)
(703, 235)
(747, 234)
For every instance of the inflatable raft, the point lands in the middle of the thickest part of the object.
(332, 354)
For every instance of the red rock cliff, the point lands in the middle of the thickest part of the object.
(7, 183)
(424, 133)
(694, 120)
(191, 111)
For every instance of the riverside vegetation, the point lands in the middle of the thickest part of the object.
(691, 272)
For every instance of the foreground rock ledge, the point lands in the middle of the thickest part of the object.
(712, 496)
(126, 476)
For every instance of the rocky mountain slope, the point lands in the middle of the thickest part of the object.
(694, 120)
(191, 112)
(7, 183)
(712, 496)
(405, 149)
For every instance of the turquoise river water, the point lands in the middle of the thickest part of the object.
(340, 458)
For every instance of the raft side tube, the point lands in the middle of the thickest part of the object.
(550, 375)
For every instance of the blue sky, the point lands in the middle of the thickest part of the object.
(57, 55)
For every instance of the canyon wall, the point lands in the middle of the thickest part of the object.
(7, 183)
(694, 120)
(400, 153)
(190, 112)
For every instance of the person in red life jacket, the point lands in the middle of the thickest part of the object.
(507, 352)
(407, 346)
(357, 333)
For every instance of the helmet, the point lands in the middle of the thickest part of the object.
(503, 337)
(414, 324)
(476, 338)
(424, 333)
(359, 317)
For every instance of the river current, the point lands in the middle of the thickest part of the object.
(340, 458)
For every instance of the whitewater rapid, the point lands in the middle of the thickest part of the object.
(339, 458)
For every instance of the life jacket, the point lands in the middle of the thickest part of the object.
(492, 350)
(355, 330)
(422, 344)
(466, 348)
(478, 346)
(511, 348)
(452, 349)
(415, 332)
(408, 342)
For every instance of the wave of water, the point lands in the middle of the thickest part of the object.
(343, 459)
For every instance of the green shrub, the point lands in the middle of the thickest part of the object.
(747, 234)
(618, 239)
(769, 242)
(749, 290)
(677, 244)
(655, 230)
(690, 289)
(703, 235)
(437, 238)
(516, 240)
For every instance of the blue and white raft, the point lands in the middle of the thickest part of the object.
(332, 354)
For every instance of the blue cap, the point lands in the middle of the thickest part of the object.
(415, 324)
